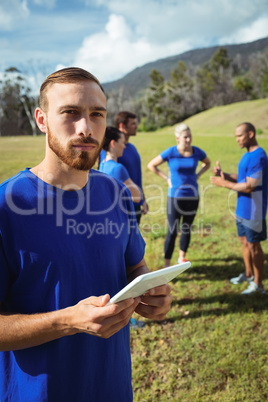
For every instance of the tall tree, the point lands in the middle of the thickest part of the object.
(180, 92)
(154, 102)
(214, 80)
(15, 104)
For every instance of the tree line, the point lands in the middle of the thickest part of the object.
(190, 90)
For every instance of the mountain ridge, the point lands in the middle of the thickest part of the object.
(138, 79)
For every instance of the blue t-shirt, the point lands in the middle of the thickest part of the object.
(253, 206)
(132, 162)
(56, 248)
(182, 171)
(114, 169)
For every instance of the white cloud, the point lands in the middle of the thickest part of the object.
(9, 18)
(112, 37)
(142, 31)
(257, 30)
(112, 53)
(162, 21)
(13, 13)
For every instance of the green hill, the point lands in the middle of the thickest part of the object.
(222, 120)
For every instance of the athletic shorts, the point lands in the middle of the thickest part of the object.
(254, 231)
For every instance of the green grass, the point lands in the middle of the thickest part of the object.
(213, 344)
(17, 153)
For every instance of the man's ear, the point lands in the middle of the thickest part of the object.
(122, 127)
(251, 134)
(40, 118)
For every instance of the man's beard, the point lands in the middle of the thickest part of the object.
(80, 160)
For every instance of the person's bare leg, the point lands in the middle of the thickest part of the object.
(258, 262)
(247, 257)
(182, 254)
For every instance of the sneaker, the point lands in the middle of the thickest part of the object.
(181, 260)
(253, 288)
(136, 324)
(241, 278)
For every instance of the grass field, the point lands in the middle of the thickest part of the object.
(213, 344)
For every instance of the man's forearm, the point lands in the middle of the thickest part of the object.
(232, 177)
(92, 316)
(21, 331)
(239, 187)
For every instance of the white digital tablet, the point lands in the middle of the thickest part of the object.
(143, 283)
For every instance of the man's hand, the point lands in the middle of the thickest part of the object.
(94, 317)
(218, 180)
(224, 178)
(217, 169)
(156, 304)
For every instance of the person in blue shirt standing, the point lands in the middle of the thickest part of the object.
(114, 145)
(66, 246)
(126, 122)
(251, 184)
(183, 196)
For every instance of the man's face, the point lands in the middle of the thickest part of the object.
(131, 126)
(242, 137)
(75, 122)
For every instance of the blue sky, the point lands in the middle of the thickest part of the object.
(112, 37)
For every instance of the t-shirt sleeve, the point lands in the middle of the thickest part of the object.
(201, 154)
(165, 155)
(256, 166)
(121, 173)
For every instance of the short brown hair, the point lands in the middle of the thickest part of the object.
(122, 117)
(65, 76)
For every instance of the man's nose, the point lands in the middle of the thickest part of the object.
(84, 128)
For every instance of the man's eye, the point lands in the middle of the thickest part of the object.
(70, 111)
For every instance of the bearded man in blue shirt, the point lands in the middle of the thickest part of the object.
(66, 246)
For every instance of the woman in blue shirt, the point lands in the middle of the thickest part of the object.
(114, 145)
(183, 197)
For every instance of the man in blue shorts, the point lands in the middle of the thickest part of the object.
(66, 246)
(251, 184)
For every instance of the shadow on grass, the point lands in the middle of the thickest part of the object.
(216, 269)
(231, 302)
(236, 304)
